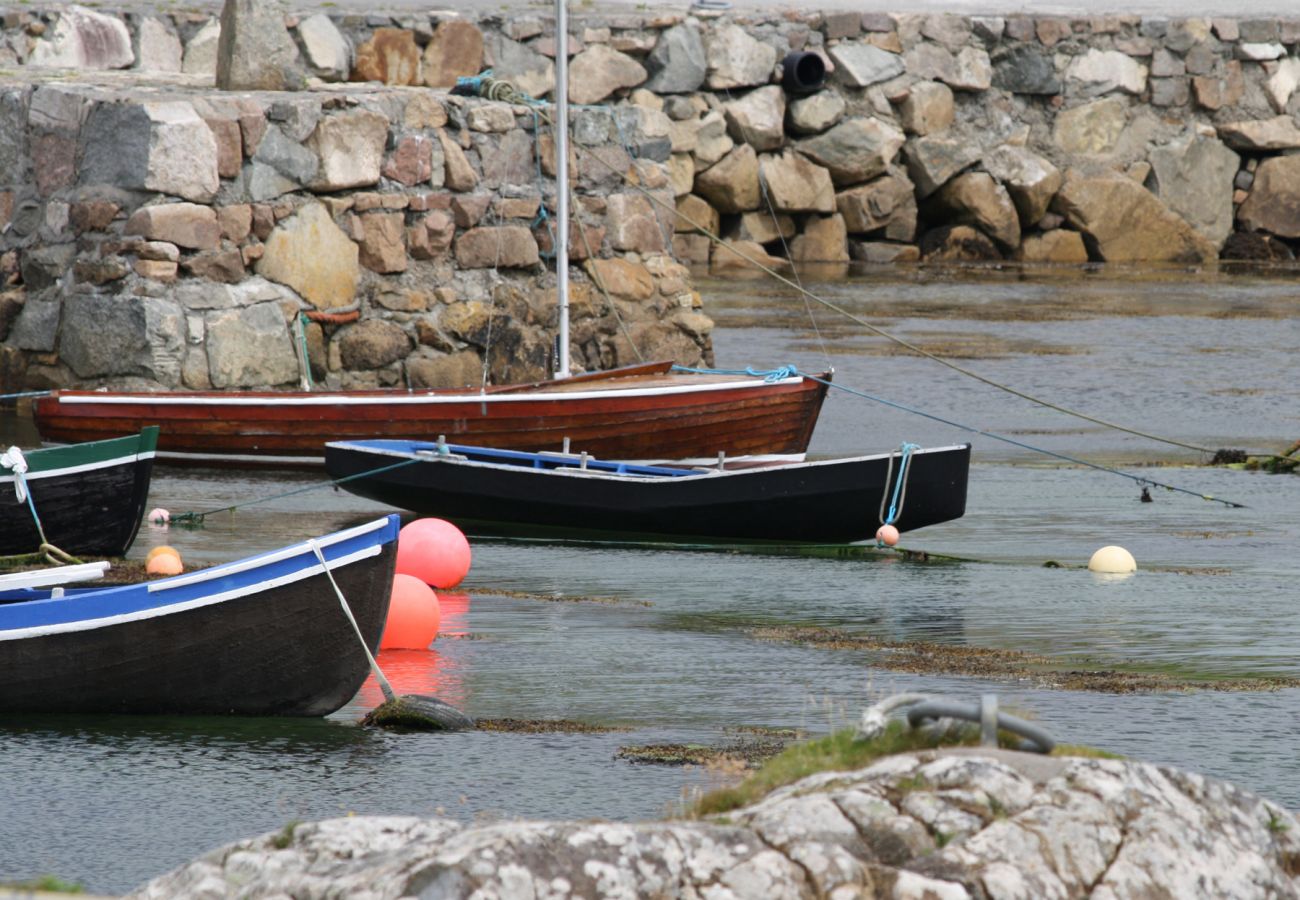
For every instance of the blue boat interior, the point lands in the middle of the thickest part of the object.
(523, 459)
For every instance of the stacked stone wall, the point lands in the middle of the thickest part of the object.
(139, 203)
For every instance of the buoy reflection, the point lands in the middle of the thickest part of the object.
(425, 671)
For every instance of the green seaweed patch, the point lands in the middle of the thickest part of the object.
(546, 726)
(928, 658)
(743, 753)
(48, 884)
(284, 838)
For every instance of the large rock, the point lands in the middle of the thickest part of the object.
(886, 204)
(454, 50)
(504, 247)
(824, 239)
(1025, 69)
(677, 64)
(712, 142)
(758, 118)
(160, 48)
(155, 146)
(1031, 180)
(1277, 133)
(731, 184)
(13, 135)
(599, 71)
(976, 199)
(328, 52)
(1274, 201)
(118, 336)
(632, 224)
(1124, 222)
(1194, 177)
(928, 108)
(862, 65)
(1102, 71)
(519, 64)
(201, 51)
(350, 147)
(1055, 246)
(389, 56)
(373, 344)
(84, 39)
(796, 184)
(856, 150)
(256, 52)
(944, 825)
(815, 113)
(1092, 129)
(187, 225)
(312, 255)
(932, 161)
(736, 60)
(250, 347)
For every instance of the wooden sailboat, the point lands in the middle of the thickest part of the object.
(643, 412)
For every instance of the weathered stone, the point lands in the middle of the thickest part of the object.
(824, 239)
(250, 347)
(736, 60)
(383, 248)
(512, 161)
(411, 161)
(1102, 71)
(731, 185)
(1123, 221)
(157, 251)
(255, 51)
(490, 119)
(677, 64)
(36, 325)
(711, 139)
(758, 118)
(1170, 91)
(13, 135)
(159, 47)
(1194, 177)
(1260, 52)
(762, 227)
(862, 65)
(1055, 246)
(506, 247)
(1278, 133)
(350, 147)
(91, 215)
(99, 270)
(1030, 179)
(84, 39)
(855, 150)
(1225, 86)
(600, 71)
(695, 214)
(450, 370)
(154, 146)
(430, 237)
(1025, 69)
(312, 255)
(328, 52)
(230, 146)
(525, 68)
(54, 161)
(424, 111)
(928, 108)
(454, 50)
(373, 344)
(184, 224)
(468, 211)
(389, 56)
(957, 243)
(795, 184)
(1092, 129)
(225, 266)
(815, 113)
(115, 336)
(886, 204)
(974, 198)
(931, 161)
(458, 174)
(201, 51)
(883, 253)
(621, 278)
(730, 256)
(1273, 204)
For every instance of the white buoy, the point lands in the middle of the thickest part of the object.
(1112, 560)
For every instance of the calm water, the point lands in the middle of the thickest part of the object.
(1207, 359)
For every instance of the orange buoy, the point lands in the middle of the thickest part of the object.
(434, 551)
(887, 535)
(413, 615)
(163, 561)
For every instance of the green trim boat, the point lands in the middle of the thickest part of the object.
(87, 499)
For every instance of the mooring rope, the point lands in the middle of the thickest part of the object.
(900, 486)
(787, 371)
(20, 394)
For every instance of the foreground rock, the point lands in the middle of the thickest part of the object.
(949, 824)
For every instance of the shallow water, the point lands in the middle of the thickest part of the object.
(667, 653)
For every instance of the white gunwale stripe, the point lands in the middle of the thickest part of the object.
(125, 459)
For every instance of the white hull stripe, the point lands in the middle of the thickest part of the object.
(197, 603)
(126, 459)
(412, 399)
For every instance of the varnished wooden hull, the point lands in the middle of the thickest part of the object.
(643, 413)
(90, 498)
(259, 637)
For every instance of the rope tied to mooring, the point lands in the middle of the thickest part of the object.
(904, 457)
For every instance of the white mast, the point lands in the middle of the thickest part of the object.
(562, 182)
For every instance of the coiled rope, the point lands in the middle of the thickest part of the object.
(793, 370)
(900, 486)
(13, 460)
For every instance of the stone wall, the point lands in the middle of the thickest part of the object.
(1113, 138)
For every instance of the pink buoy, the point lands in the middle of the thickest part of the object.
(413, 615)
(887, 535)
(434, 551)
(159, 516)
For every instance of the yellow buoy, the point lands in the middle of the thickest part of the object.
(1113, 560)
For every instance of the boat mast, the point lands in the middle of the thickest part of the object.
(562, 183)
